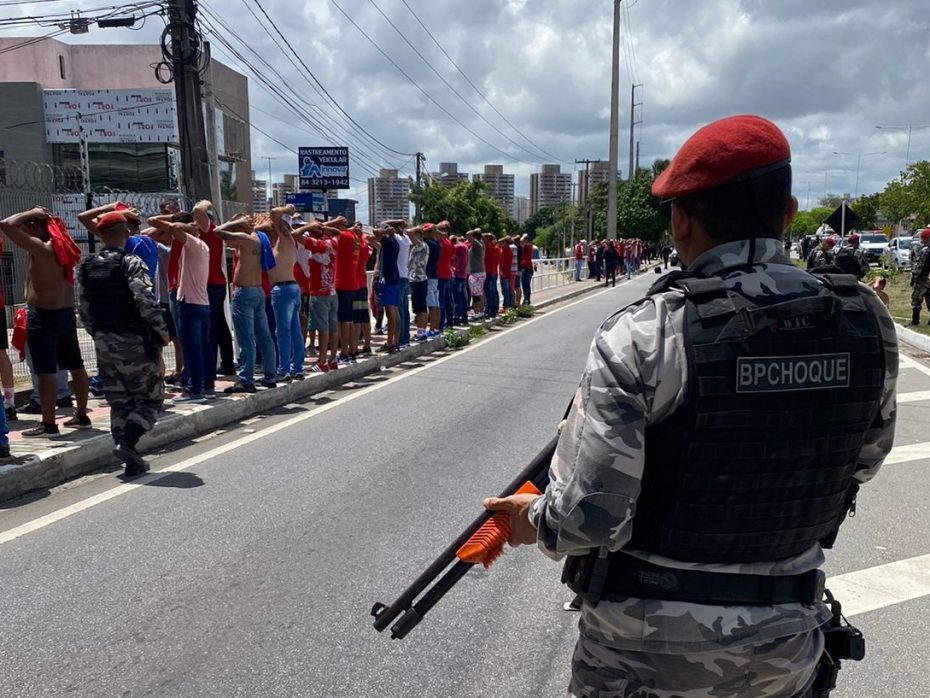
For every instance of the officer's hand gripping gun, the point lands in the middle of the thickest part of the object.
(481, 543)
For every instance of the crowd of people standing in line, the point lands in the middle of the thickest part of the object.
(297, 288)
(606, 258)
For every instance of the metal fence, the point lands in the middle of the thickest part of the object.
(556, 272)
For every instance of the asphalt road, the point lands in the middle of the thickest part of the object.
(251, 570)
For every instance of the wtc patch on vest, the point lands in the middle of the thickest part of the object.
(780, 374)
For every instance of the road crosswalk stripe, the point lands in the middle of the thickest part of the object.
(917, 396)
(908, 362)
(908, 453)
(885, 585)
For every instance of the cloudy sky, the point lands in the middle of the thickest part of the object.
(827, 71)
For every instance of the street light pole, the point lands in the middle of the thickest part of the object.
(858, 165)
(614, 125)
(910, 129)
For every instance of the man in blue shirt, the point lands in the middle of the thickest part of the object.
(433, 304)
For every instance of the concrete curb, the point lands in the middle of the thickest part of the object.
(56, 465)
(915, 339)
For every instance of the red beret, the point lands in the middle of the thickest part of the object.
(111, 218)
(721, 152)
(853, 237)
(925, 234)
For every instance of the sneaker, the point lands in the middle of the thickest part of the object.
(298, 376)
(227, 371)
(209, 394)
(5, 451)
(240, 387)
(319, 368)
(353, 358)
(384, 349)
(311, 351)
(32, 408)
(78, 421)
(136, 465)
(283, 378)
(394, 349)
(11, 414)
(365, 352)
(188, 397)
(42, 429)
(172, 378)
(268, 383)
(333, 366)
(379, 330)
(343, 358)
(66, 402)
(432, 333)
(418, 337)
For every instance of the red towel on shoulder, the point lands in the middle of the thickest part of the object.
(66, 251)
(19, 333)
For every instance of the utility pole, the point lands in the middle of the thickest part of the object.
(213, 147)
(614, 126)
(418, 196)
(270, 190)
(633, 122)
(185, 61)
(586, 193)
(85, 179)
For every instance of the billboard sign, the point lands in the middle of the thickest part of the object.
(111, 116)
(323, 168)
(307, 202)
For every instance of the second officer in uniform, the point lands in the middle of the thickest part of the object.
(119, 310)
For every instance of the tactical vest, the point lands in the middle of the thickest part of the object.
(757, 464)
(109, 298)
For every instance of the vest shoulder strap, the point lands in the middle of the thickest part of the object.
(841, 284)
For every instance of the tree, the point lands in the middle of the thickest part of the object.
(867, 208)
(833, 201)
(466, 206)
(638, 214)
(807, 222)
(544, 217)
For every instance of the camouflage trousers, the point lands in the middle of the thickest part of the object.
(131, 381)
(920, 294)
(782, 668)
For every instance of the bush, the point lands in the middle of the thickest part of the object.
(525, 311)
(509, 317)
(453, 339)
(475, 331)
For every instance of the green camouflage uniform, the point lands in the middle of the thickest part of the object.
(129, 371)
(820, 258)
(920, 283)
(636, 377)
(858, 254)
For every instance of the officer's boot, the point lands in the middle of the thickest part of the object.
(915, 317)
(126, 451)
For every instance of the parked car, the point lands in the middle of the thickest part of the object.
(898, 253)
(874, 243)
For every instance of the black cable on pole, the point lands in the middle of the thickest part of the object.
(475, 87)
(319, 84)
(451, 87)
(424, 92)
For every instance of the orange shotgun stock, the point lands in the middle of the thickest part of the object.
(480, 544)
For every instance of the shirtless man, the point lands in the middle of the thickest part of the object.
(285, 296)
(50, 321)
(319, 241)
(250, 320)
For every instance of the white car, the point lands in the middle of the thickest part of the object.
(898, 252)
(874, 244)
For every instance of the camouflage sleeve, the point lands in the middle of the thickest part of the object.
(141, 286)
(634, 375)
(879, 439)
(83, 304)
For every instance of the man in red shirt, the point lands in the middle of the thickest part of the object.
(506, 271)
(444, 272)
(579, 259)
(361, 314)
(492, 261)
(348, 252)
(459, 280)
(592, 262)
(320, 243)
(220, 337)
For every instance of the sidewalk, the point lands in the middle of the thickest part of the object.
(41, 463)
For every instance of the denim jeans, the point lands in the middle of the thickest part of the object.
(507, 293)
(404, 312)
(492, 299)
(526, 281)
(251, 323)
(220, 338)
(285, 301)
(579, 265)
(460, 299)
(446, 306)
(195, 342)
(185, 377)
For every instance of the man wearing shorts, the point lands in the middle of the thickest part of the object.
(51, 326)
(361, 313)
(419, 256)
(324, 306)
(388, 288)
(430, 237)
(348, 251)
(476, 275)
(444, 272)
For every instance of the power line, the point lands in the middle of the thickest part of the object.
(475, 87)
(449, 85)
(320, 85)
(424, 92)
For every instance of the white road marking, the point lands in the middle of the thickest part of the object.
(906, 454)
(918, 396)
(77, 507)
(908, 362)
(885, 585)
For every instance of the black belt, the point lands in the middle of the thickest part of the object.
(596, 578)
(285, 283)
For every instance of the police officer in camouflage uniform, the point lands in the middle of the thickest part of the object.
(119, 310)
(920, 276)
(693, 529)
(823, 255)
(852, 259)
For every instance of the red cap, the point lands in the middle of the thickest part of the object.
(111, 218)
(853, 237)
(829, 241)
(721, 152)
(925, 234)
